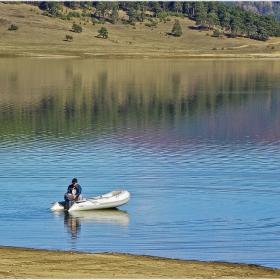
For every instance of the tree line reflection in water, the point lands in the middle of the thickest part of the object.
(139, 94)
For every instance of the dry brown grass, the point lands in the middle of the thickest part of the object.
(41, 35)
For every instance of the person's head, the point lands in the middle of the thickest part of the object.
(74, 182)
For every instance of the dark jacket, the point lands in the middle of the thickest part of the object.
(78, 189)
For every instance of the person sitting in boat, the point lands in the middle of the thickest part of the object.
(75, 189)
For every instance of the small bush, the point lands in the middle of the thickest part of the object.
(217, 33)
(63, 17)
(85, 13)
(77, 28)
(68, 37)
(125, 22)
(13, 27)
(74, 14)
(94, 21)
(103, 32)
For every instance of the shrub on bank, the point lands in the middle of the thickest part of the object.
(13, 27)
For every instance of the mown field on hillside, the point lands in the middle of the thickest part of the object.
(39, 35)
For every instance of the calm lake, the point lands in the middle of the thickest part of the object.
(195, 142)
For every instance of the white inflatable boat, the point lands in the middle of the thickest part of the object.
(112, 199)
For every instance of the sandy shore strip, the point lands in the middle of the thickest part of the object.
(47, 264)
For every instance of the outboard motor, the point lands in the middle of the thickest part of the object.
(69, 200)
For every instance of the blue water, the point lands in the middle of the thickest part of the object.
(203, 186)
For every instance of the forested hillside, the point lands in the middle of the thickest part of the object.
(222, 18)
(261, 7)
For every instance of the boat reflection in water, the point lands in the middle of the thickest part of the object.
(74, 220)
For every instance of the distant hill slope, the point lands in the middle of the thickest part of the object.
(38, 32)
(229, 20)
